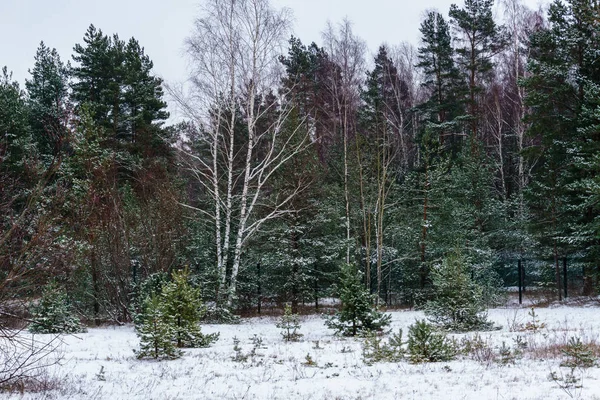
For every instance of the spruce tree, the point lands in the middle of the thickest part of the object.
(458, 302)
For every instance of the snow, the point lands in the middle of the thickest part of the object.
(278, 370)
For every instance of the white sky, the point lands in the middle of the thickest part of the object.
(161, 25)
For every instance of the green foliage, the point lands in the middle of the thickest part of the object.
(220, 315)
(358, 313)
(16, 145)
(290, 323)
(53, 314)
(374, 349)
(183, 304)
(458, 302)
(578, 354)
(534, 324)
(427, 345)
(157, 331)
(48, 91)
(170, 315)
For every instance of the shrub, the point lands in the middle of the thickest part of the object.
(358, 313)
(427, 345)
(53, 314)
(578, 355)
(458, 304)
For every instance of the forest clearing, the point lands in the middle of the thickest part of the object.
(316, 217)
(100, 364)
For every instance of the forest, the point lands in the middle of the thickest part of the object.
(301, 171)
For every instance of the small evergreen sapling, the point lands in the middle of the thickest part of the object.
(53, 314)
(458, 303)
(156, 331)
(290, 324)
(169, 318)
(358, 313)
(183, 305)
(427, 345)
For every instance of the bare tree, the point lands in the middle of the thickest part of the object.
(234, 52)
(347, 51)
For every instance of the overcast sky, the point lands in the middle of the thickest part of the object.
(161, 26)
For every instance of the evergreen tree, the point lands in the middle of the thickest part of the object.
(53, 314)
(183, 306)
(458, 302)
(561, 93)
(48, 101)
(115, 78)
(479, 40)
(358, 313)
(17, 150)
(93, 75)
(441, 80)
(290, 324)
(156, 331)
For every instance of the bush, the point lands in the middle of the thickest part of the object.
(53, 314)
(427, 345)
(578, 355)
(458, 304)
(358, 313)
(290, 323)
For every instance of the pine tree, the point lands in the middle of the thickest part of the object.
(442, 81)
(479, 40)
(156, 331)
(115, 79)
(48, 101)
(53, 314)
(182, 307)
(16, 145)
(358, 313)
(290, 324)
(561, 92)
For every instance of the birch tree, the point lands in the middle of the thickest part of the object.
(347, 51)
(234, 50)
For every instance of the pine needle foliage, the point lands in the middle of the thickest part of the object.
(290, 324)
(358, 313)
(156, 332)
(183, 304)
(427, 345)
(170, 319)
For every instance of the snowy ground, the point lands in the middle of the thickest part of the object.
(279, 371)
